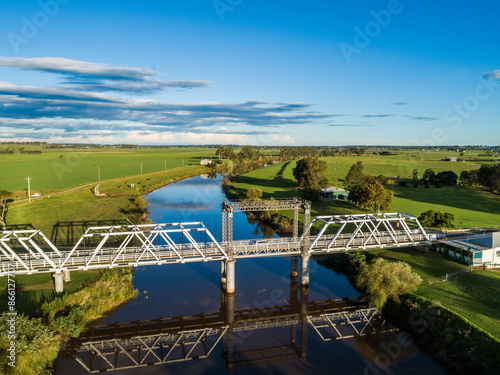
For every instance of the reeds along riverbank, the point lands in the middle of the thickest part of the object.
(38, 340)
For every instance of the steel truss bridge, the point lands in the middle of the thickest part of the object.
(27, 252)
(178, 339)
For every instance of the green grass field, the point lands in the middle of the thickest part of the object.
(475, 296)
(473, 207)
(64, 168)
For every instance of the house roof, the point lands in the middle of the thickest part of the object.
(478, 242)
(331, 189)
(466, 245)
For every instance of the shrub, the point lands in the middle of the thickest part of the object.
(36, 346)
(385, 280)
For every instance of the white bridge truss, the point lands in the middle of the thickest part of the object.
(110, 247)
(29, 251)
(370, 231)
(150, 348)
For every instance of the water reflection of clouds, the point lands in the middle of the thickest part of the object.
(182, 206)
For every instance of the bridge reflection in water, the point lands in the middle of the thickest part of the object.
(168, 340)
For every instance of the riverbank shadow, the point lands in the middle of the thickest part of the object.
(67, 233)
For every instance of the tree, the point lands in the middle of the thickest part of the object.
(385, 280)
(224, 152)
(489, 176)
(468, 178)
(415, 178)
(447, 178)
(437, 219)
(249, 153)
(382, 179)
(372, 196)
(5, 199)
(254, 194)
(309, 174)
(355, 175)
(429, 177)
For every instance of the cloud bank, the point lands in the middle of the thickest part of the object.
(84, 106)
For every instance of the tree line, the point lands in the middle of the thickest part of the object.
(488, 176)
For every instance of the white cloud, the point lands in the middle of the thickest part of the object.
(492, 75)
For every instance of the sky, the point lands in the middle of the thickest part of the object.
(332, 73)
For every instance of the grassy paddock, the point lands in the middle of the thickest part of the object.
(69, 167)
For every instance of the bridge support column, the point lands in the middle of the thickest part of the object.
(230, 275)
(305, 269)
(58, 282)
(67, 276)
(294, 267)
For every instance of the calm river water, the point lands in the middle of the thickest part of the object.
(193, 289)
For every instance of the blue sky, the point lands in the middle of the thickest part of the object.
(250, 72)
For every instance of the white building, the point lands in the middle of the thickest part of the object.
(478, 250)
(206, 162)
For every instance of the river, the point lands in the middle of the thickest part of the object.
(194, 289)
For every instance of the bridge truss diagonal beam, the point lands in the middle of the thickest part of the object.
(32, 242)
(400, 230)
(111, 246)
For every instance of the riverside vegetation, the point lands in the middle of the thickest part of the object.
(39, 337)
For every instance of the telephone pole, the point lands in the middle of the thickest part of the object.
(99, 173)
(29, 188)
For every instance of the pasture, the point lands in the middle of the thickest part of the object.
(57, 169)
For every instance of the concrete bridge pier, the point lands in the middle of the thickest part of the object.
(305, 269)
(294, 267)
(67, 276)
(58, 282)
(230, 276)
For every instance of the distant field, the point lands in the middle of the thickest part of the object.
(399, 165)
(64, 168)
(471, 206)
